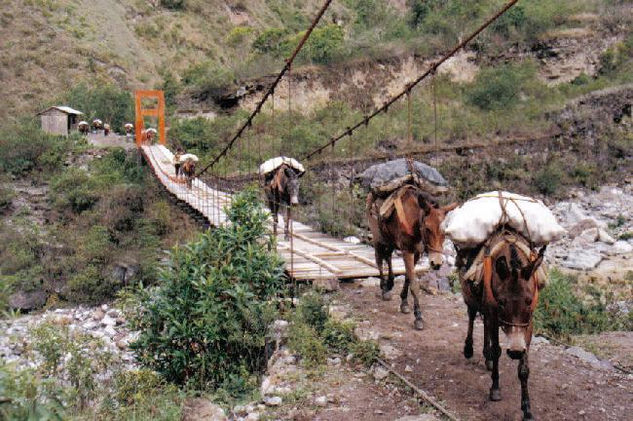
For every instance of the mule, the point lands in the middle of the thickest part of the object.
(506, 298)
(188, 169)
(282, 189)
(413, 227)
(84, 128)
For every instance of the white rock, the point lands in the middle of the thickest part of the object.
(104, 307)
(390, 352)
(253, 416)
(273, 400)
(605, 237)
(351, 240)
(408, 369)
(588, 357)
(109, 330)
(90, 324)
(621, 247)
(582, 259)
(321, 401)
(370, 282)
(108, 321)
(266, 386)
(379, 372)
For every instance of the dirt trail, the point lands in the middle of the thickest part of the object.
(562, 387)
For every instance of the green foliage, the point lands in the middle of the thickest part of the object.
(339, 335)
(549, 178)
(498, 88)
(207, 79)
(103, 101)
(173, 4)
(306, 341)
(270, 41)
(74, 190)
(73, 358)
(365, 352)
(6, 197)
(25, 148)
(207, 322)
(239, 35)
(562, 313)
(26, 396)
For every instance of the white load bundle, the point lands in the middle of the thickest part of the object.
(274, 163)
(473, 222)
(188, 156)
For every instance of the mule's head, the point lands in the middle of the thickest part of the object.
(292, 185)
(515, 292)
(432, 235)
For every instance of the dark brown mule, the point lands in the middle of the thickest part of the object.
(413, 228)
(506, 298)
(188, 169)
(282, 188)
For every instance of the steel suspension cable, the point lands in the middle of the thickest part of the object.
(411, 85)
(270, 90)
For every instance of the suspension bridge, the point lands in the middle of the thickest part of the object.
(308, 253)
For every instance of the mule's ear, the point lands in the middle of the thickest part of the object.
(528, 271)
(501, 267)
(450, 207)
(424, 203)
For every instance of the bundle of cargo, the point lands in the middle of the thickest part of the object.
(188, 156)
(490, 217)
(272, 164)
(383, 179)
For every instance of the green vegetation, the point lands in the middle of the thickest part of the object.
(561, 313)
(206, 325)
(314, 334)
(24, 148)
(106, 102)
(64, 382)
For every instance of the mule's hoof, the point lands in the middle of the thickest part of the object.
(527, 416)
(495, 395)
(489, 365)
(468, 350)
(418, 324)
(386, 295)
(404, 308)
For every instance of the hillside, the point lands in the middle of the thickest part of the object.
(196, 49)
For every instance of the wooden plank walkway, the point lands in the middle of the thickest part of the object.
(314, 255)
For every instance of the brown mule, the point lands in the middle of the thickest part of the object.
(282, 188)
(413, 227)
(188, 169)
(506, 297)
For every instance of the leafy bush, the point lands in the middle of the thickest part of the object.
(238, 35)
(271, 41)
(548, 179)
(208, 79)
(207, 322)
(562, 313)
(498, 88)
(324, 43)
(26, 396)
(107, 102)
(24, 148)
(74, 190)
(306, 341)
(173, 4)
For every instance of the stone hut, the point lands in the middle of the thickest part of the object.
(59, 120)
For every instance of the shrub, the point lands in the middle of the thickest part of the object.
(498, 88)
(24, 148)
(74, 190)
(548, 179)
(561, 313)
(238, 35)
(306, 341)
(208, 79)
(206, 324)
(173, 4)
(107, 102)
(270, 41)
(324, 43)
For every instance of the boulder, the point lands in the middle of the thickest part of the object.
(273, 400)
(27, 301)
(199, 409)
(370, 282)
(379, 372)
(580, 259)
(621, 247)
(327, 285)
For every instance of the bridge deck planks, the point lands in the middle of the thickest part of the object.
(314, 255)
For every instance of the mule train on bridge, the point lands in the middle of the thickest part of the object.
(500, 237)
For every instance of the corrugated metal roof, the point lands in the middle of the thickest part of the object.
(62, 108)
